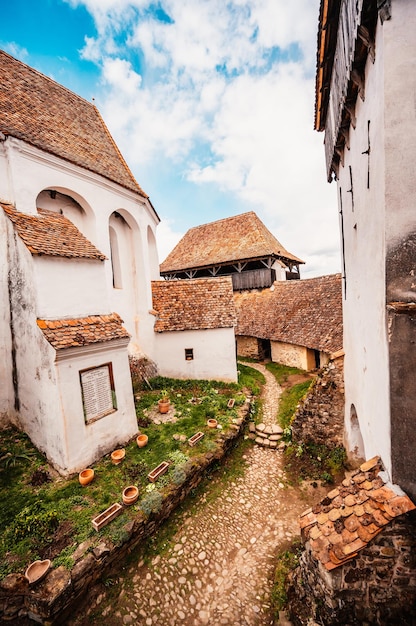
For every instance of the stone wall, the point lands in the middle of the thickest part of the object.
(376, 588)
(142, 369)
(50, 601)
(248, 347)
(320, 416)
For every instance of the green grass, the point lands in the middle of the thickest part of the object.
(287, 561)
(282, 372)
(289, 400)
(28, 522)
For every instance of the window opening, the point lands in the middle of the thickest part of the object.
(115, 260)
(189, 354)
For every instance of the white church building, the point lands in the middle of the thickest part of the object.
(77, 259)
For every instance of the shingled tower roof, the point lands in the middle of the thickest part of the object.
(43, 113)
(237, 238)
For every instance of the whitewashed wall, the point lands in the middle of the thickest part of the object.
(85, 443)
(7, 408)
(29, 171)
(214, 354)
(69, 287)
(365, 332)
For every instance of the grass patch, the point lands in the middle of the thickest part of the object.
(47, 516)
(310, 461)
(282, 372)
(289, 400)
(287, 561)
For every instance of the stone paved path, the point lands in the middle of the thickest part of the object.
(219, 566)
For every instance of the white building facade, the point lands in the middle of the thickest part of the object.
(366, 90)
(78, 253)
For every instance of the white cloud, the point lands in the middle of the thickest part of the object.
(166, 238)
(212, 97)
(15, 50)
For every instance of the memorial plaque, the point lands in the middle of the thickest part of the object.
(97, 392)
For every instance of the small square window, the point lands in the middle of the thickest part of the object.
(189, 354)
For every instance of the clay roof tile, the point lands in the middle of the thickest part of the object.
(354, 525)
(82, 331)
(51, 234)
(41, 112)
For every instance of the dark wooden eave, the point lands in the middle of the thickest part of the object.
(346, 38)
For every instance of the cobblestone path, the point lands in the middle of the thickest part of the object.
(218, 567)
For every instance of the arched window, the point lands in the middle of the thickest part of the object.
(356, 443)
(115, 260)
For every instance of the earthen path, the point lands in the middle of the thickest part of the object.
(218, 567)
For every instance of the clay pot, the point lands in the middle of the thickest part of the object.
(142, 440)
(211, 423)
(163, 406)
(118, 455)
(86, 476)
(37, 570)
(130, 495)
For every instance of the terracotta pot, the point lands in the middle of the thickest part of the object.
(163, 406)
(211, 423)
(37, 570)
(118, 455)
(142, 440)
(86, 476)
(130, 495)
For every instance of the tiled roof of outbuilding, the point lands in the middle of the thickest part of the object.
(197, 304)
(41, 112)
(72, 333)
(237, 238)
(351, 515)
(51, 234)
(302, 312)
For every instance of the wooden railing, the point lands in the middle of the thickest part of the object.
(349, 20)
(254, 279)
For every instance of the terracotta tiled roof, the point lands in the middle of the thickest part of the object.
(352, 515)
(302, 312)
(41, 112)
(51, 234)
(195, 304)
(71, 333)
(237, 238)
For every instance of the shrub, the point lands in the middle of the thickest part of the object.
(35, 522)
(178, 475)
(151, 503)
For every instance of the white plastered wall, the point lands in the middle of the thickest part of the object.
(363, 214)
(82, 443)
(29, 171)
(7, 408)
(213, 351)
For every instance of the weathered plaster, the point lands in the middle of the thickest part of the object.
(214, 354)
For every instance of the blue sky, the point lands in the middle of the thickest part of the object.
(210, 102)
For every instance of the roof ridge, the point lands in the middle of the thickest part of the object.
(118, 151)
(223, 219)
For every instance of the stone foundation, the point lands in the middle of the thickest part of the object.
(320, 416)
(377, 588)
(50, 601)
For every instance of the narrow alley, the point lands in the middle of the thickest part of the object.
(218, 566)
